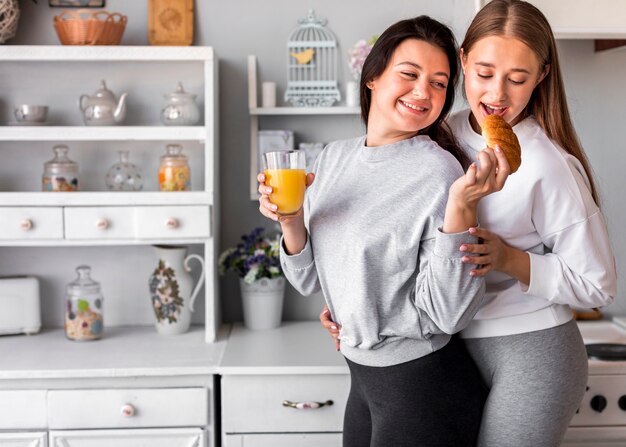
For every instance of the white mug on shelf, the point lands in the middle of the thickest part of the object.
(268, 94)
(352, 94)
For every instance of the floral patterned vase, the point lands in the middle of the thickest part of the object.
(262, 302)
(171, 289)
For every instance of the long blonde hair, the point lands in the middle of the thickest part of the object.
(524, 22)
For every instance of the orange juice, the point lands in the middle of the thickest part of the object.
(288, 187)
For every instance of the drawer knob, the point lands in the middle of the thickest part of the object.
(127, 410)
(171, 223)
(306, 405)
(26, 224)
(102, 224)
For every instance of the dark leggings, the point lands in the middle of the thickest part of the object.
(433, 401)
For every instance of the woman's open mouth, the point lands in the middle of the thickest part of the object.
(493, 110)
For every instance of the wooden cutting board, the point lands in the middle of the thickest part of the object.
(170, 22)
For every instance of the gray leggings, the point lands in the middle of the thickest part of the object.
(536, 382)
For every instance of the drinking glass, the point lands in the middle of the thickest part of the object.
(285, 173)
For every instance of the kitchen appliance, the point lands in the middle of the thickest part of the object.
(601, 418)
(19, 300)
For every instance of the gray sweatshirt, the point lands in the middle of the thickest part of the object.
(390, 277)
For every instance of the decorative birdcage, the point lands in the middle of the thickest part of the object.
(9, 17)
(312, 64)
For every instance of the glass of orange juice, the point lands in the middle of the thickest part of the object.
(285, 173)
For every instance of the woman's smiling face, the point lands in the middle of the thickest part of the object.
(500, 76)
(410, 94)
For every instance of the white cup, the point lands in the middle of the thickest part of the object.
(352, 94)
(268, 94)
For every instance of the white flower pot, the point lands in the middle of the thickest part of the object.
(262, 302)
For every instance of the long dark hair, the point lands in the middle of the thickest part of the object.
(548, 104)
(437, 34)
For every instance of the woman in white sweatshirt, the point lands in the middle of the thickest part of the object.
(545, 243)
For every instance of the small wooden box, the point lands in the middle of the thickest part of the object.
(170, 22)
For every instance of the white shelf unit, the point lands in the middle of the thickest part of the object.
(147, 73)
(256, 113)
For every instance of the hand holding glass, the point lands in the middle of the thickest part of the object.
(285, 174)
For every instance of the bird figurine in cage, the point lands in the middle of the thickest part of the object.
(312, 64)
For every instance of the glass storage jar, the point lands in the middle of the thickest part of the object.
(124, 175)
(60, 173)
(174, 172)
(83, 307)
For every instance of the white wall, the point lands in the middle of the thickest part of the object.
(241, 27)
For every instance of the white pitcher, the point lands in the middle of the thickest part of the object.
(171, 289)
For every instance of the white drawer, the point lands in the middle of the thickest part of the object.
(126, 408)
(23, 439)
(114, 222)
(131, 222)
(173, 221)
(20, 409)
(254, 404)
(156, 437)
(284, 440)
(31, 223)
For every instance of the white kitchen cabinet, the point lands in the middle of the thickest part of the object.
(30, 439)
(583, 19)
(256, 113)
(261, 370)
(132, 387)
(95, 216)
(189, 437)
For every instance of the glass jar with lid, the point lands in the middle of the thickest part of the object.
(60, 173)
(174, 172)
(83, 307)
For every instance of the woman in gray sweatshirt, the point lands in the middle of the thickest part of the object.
(379, 235)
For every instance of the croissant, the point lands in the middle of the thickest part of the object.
(497, 131)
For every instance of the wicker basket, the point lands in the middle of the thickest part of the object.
(85, 27)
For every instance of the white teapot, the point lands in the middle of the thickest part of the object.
(103, 108)
(180, 108)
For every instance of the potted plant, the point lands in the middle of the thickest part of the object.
(256, 261)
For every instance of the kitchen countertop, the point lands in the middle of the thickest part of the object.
(302, 347)
(123, 352)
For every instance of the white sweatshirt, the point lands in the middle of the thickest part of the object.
(547, 210)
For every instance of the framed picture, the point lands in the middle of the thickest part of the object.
(77, 3)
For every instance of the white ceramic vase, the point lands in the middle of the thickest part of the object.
(171, 287)
(262, 302)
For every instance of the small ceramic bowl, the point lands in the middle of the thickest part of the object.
(31, 113)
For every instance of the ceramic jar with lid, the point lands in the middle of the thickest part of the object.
(60, 173)
(83, 307)
(180, 108)
(174, 172)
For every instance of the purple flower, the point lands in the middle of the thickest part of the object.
(255, 258)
